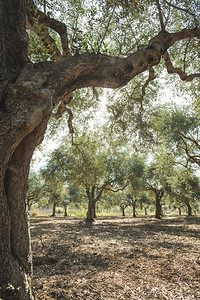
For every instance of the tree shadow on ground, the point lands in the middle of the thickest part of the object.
(116, 256)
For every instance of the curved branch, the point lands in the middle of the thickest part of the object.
(36, 17)
(48, 41)
(149, 79)
(100, 70)
(116, 190)
(171, 70)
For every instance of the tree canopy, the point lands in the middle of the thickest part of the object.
(80, 44)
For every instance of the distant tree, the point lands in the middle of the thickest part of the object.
(144, 202)
(135, 174)
(96, 168)
(72, 197)
(124, 203)
(54, 178)
(179, 130)
(157, 184)
(34, 192)
(122, 200)
(185, 188)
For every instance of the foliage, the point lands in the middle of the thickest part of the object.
(178, 129)
(185, 187)
(121, 28)
(34, 189)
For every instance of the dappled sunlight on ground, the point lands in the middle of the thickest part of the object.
(116, 258)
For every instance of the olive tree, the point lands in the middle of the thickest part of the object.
(96, 168)
(136, 38)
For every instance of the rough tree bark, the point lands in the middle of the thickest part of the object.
(28, 93)
(21, 131)
(91, 212)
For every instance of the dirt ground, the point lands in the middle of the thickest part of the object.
(116, 258)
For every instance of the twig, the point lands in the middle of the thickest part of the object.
(160, 15)
(107, 27)
(95, 93)
(183, 9)
(149, 79)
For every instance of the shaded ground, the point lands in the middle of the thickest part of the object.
(116, 258)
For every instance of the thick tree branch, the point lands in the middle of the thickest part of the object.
(100, 70)
(171, 70)
(105, 71)
(48, 41)
(37, 19)
(116, 190)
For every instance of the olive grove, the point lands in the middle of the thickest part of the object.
(78, 51)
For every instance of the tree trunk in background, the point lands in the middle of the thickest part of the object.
(134, 208)
(179, 211)
(65, 214)
(145, 211)
(159, 195)
(91, 211)
(158, 209)
(54, 210)
(189, 209)
(123, 211)
(91, 214)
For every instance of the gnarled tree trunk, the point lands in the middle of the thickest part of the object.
(15, 238)
(22, 128)
(91, 211)
(159, 195)
(28, 93)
